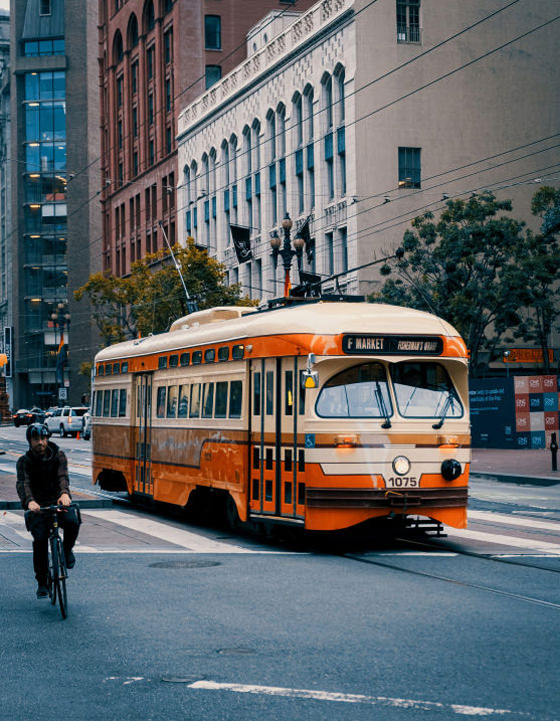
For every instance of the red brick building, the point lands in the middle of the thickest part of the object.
(155, 56)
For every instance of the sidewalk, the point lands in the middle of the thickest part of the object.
(531, 466)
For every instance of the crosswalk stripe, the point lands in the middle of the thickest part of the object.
(500, 540)
(179, 537)
(514, 520)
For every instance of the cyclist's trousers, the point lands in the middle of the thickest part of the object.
(38, 525)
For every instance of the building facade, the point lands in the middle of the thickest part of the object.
(156, 56)
(49, 67)
(6, 322)
(272, 139)
(360, 116)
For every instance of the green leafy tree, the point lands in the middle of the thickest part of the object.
(460, 267)
(152, 296)
(536, 274)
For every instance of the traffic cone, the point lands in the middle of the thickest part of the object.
(78, 436)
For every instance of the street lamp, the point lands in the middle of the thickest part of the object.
(285, 250)
(60, 319)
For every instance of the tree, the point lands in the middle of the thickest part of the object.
(537, 272)
(461, 268)
(152, 296)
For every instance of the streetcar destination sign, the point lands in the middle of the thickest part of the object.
(354, 343)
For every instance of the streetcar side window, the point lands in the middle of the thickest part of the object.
(98, 403)
(114, 403)
(195, 401)
(289, 393)
(208, 403)
(185, 359)
(116, 368)
(172, 392)
(173, 361)
(357, 392)
(425, 390)
(122, 403)
(106, 403)
(183, 402)
(257, 394)
(160, 405)
(235, 398)
(221, 399)
(210, 355)
(197, 357)
(124, 367)
(223, 353)
(301, 405)
(269, 393)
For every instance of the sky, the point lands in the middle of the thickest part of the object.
(4, 4)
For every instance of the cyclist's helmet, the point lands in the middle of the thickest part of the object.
(36, 430)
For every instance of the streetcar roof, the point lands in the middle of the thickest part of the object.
(321, 318)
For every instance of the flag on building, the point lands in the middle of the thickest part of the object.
(241, 237)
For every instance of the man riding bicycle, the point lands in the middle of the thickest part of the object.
(42, 480)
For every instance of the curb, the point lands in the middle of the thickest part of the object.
(516, 478)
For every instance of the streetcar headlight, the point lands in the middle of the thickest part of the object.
(401, 465)
(450, 469)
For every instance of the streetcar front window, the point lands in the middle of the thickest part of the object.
(424, 390)
(357, 392)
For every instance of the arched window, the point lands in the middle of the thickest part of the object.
(117, 48)
(149, 16)
(132, 40)
(339, 99)
(271, 133)
(187, 197)
(327, 102)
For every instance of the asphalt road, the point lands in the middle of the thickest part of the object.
(172, 621)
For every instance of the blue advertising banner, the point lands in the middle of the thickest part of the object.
(492, 402)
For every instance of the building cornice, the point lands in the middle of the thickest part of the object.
(309, 29)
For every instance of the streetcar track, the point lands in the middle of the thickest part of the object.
(483, 556)
(446, 579)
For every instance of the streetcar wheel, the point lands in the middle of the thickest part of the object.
(232, 516)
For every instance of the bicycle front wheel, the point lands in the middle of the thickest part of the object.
(59, 578)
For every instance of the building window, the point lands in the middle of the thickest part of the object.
(213, 74)
(168, 46)
(408, 21)
(409, 168)
(212, 32)
(45, 7)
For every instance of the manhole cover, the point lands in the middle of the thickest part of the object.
(185, 564)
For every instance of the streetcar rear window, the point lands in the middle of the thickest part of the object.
(357, 392)
(425, 390)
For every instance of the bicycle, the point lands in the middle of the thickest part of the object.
(58, 573)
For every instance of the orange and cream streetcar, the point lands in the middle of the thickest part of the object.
(319, 414)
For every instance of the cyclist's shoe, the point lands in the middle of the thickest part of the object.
(42, 591)
(70, 559)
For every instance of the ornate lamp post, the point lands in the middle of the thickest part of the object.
(284, 249)
(60, 320)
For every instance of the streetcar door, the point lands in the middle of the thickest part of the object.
(276, 462)
(291, 413)
(143, 435)
(265, 437)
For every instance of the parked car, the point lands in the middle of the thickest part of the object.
(86, 426)
(50, 411)
(66, 421)
(24, 417)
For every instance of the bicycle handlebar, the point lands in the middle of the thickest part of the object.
(57, 507)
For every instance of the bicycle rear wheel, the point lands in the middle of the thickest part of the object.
(59, 577)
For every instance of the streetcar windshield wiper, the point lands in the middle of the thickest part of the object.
(382, 406)
(448, 403)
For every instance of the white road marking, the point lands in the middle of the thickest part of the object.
(513, 520)
(406, 703)
(179, 537)
(500, 540)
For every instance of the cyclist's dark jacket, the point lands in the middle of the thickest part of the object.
(42, 479)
